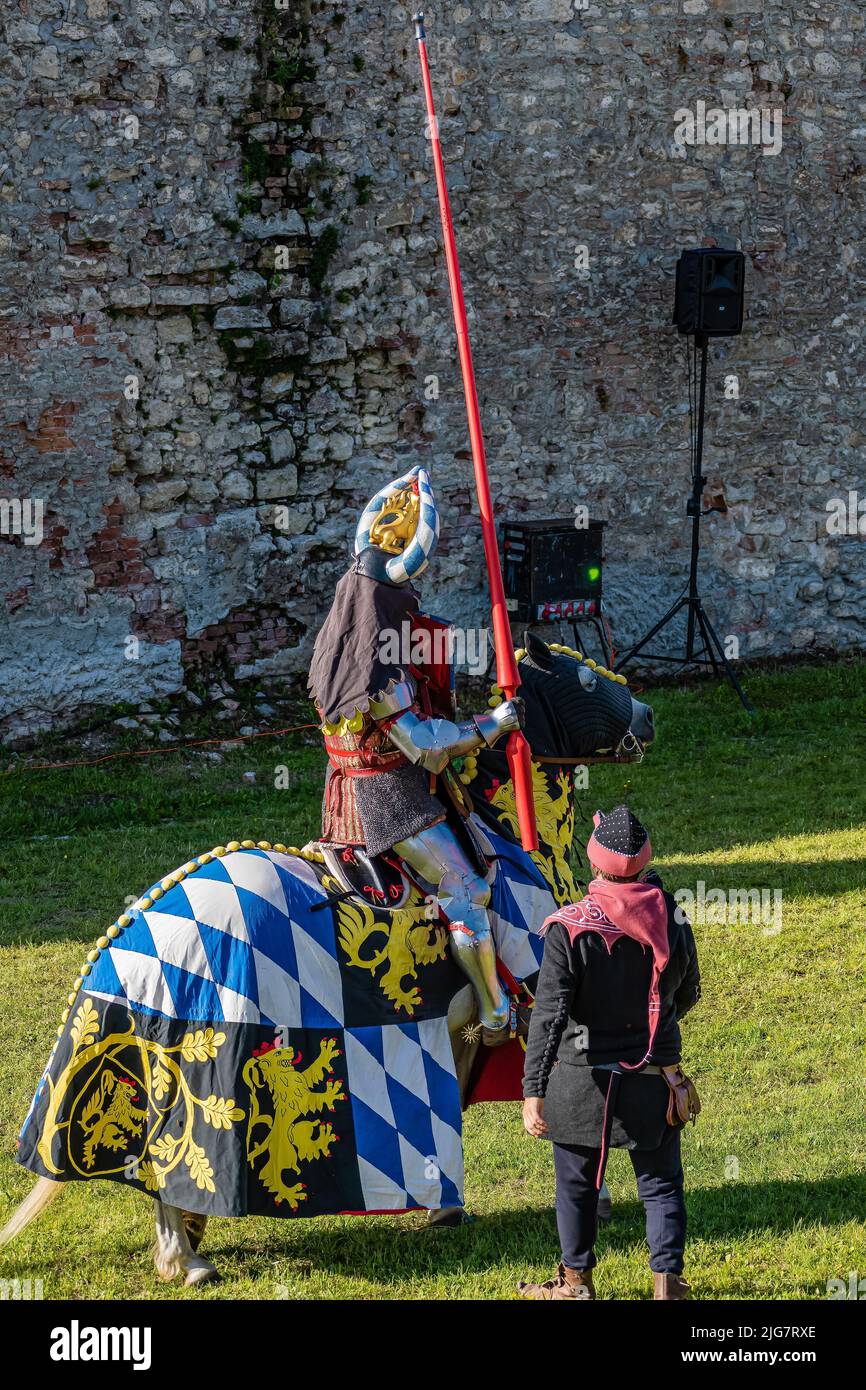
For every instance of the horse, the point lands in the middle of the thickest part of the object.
(114, 1084)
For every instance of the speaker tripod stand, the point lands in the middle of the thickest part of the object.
(703, 646)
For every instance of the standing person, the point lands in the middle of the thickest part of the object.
(620, 970)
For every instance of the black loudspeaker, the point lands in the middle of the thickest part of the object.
(709, 294)
(552, 569)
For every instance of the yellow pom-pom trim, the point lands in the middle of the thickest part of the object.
(470, 770)
(520, 654)
(155, 893)
(566, 651)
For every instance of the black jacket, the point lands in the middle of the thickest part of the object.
(591, 1008)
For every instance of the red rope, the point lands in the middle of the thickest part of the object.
(163, 748)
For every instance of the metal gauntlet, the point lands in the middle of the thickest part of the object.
(432, 743)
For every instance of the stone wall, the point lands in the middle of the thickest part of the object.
(224, 318)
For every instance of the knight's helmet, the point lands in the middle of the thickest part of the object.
(402, 523)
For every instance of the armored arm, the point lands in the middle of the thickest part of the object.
(432, 743)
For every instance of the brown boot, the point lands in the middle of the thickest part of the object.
(567, 1283)
(670, 1286)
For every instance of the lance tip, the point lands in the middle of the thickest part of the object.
(418, 20)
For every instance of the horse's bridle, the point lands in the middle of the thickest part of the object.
(628, 750)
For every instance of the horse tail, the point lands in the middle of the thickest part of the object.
(34, 1203)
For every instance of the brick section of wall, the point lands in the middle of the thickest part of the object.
(241, 639)
(224, 319)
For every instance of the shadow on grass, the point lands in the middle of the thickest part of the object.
(500, 1245)
(714, 1213)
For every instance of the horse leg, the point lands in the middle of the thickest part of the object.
(173, 1255)
(194, 1225)
(462, 1014)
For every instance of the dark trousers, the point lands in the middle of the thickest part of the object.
(659, 1174)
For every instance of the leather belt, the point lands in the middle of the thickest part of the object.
(615, 1067)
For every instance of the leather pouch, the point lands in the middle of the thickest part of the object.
(683, 1101)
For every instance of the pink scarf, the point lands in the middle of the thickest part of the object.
(614, 910)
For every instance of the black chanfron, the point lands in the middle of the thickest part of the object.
(710, 290)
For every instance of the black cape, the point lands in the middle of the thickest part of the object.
(346, 668)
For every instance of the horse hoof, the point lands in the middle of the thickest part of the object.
(446, 1217)
(605, 1213)
(202, 1274)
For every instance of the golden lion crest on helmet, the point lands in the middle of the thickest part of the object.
(397, 521)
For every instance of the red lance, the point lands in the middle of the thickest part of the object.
(517, 749)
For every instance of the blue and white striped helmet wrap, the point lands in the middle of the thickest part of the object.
(416, 556)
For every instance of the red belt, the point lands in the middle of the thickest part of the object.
(369, 771)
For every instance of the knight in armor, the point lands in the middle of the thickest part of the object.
(385, 695)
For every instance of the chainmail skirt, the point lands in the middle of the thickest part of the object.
(394, 805)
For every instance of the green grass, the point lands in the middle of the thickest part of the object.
(776, 1167)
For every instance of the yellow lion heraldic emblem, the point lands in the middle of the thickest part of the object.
(289, 1139)
(411, 939)
(111, 1127)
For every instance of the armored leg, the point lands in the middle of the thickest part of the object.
(436, 855)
